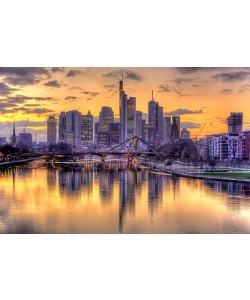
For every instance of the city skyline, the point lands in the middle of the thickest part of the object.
(198, 95)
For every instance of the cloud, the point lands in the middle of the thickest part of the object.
(75, 88)
(70, 98)
(164, 88)
(57, 69)
(183, 80)
(73, 72)
(5, 89)
(22, 99)
(190, 125)
(188, 70)
(226, 91)
(89, 93)
(183, 111)
(232, 76)
(129, 75)
(23, 76)
(110, 87)
(36, 111)
(53, 83)
(244, 88)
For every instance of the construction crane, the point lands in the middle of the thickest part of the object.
(200, 131)
(24, 127)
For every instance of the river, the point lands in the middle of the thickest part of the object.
(37, 199)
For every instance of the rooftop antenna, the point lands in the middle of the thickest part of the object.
(152, 94)
(122, 75)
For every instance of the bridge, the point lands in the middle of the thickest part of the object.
(114, 151)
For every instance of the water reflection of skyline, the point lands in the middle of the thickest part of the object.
(126, 201)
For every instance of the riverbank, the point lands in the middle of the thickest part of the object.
(185, 171)
(15, 162)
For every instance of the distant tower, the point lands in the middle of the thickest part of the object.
(123, 111)
(51, 130)
(13, 137)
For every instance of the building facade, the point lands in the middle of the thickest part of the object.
(52, 130)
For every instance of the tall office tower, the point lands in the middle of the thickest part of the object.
(131, 113)
(175, 128)
(73, 128)
(235, 122)
(13, 138)
(25, 140)
(51, 130)
(87, 129)
(155, 120)
(145, 130)
(138, 123)
(185, 134)
(123, 111)
(106, 115)
(160, 124)
(166, 129)
(62, 128)
(114, 133)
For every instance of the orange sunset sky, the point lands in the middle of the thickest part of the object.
(198, 95)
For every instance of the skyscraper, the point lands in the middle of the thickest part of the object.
(102, 128)
(87, 129)
(235, 122)
(51, 130)
(155, 122)
(175, 128)
(131, 115)
(166, 129)
(70, 127)
(185, 134)
(62, 128)
(138, 124)
(123, 111)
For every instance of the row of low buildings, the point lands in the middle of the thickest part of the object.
(235, 144)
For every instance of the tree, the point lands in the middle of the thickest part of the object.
(182, 149)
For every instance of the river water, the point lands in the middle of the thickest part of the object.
(37, 199)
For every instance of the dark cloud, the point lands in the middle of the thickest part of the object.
(53, 83)
(5, 89)
(110, 87)
(183, 80)
(57, 69)
(183, 111)
(188, 70)
(232, 76)
(22, 99)
(37, 111)
(91, 94)
(73, 72)
(23, 76)
(75, 88)
(70, 98)
(226, 91)
(21, 80)
(164, 88)
(244, 88)
(190, 125)
(130, 75)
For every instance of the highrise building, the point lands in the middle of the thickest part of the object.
(235, 122)
(62, 128)
(185, 134)
(123, 111)
(25, 140)
(166, 129)
(103, 127)
(131, 116)
(155, 122)
(51, 130)
(87, 129)
(138, 124)
(175, 128)
(70, 127)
